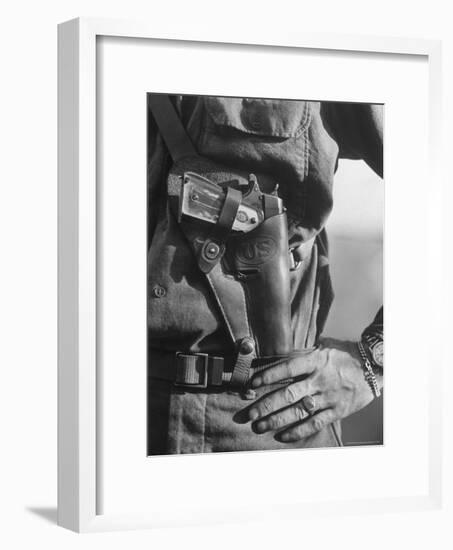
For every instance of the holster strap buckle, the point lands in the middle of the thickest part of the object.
(198, 370)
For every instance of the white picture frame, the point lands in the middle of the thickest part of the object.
(79, 385)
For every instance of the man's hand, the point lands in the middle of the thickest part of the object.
(332, 374)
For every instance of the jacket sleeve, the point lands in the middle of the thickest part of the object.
(377, 326)
(358, 130)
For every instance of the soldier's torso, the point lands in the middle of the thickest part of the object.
(287, 142)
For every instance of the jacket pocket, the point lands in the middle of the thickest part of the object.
(279, 118)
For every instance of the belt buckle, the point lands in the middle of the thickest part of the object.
(186, 371)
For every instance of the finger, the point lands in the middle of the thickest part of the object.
(298, 365)
(290, 415)
(274, 401)
(308, 427)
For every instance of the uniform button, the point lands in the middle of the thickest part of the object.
(247, 346)
(255, 123)
(159, 291)
(212, 251)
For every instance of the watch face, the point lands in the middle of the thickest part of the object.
(378, 354)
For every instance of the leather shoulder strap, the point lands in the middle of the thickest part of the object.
(170, 126)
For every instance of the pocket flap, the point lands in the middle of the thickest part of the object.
(265, 117)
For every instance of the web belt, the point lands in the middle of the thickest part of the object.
(199, 370)
(192, 370)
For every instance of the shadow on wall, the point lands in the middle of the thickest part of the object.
(356, 258)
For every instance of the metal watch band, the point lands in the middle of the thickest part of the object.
(370, 377)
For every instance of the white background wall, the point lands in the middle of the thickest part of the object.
(28, 269)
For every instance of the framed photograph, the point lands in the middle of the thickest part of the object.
(235, 215)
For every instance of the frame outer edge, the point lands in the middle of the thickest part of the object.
(68, 281)
(77, 249)
(76, 275)
(438, 258)
(164, 30)
(87, 287)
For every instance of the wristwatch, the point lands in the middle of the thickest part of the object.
(374, 346)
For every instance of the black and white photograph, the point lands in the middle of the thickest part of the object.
(265, 274)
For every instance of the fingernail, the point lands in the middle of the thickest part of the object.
(257, 382)
(261, 427)
(253, 414)
(285, 437)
